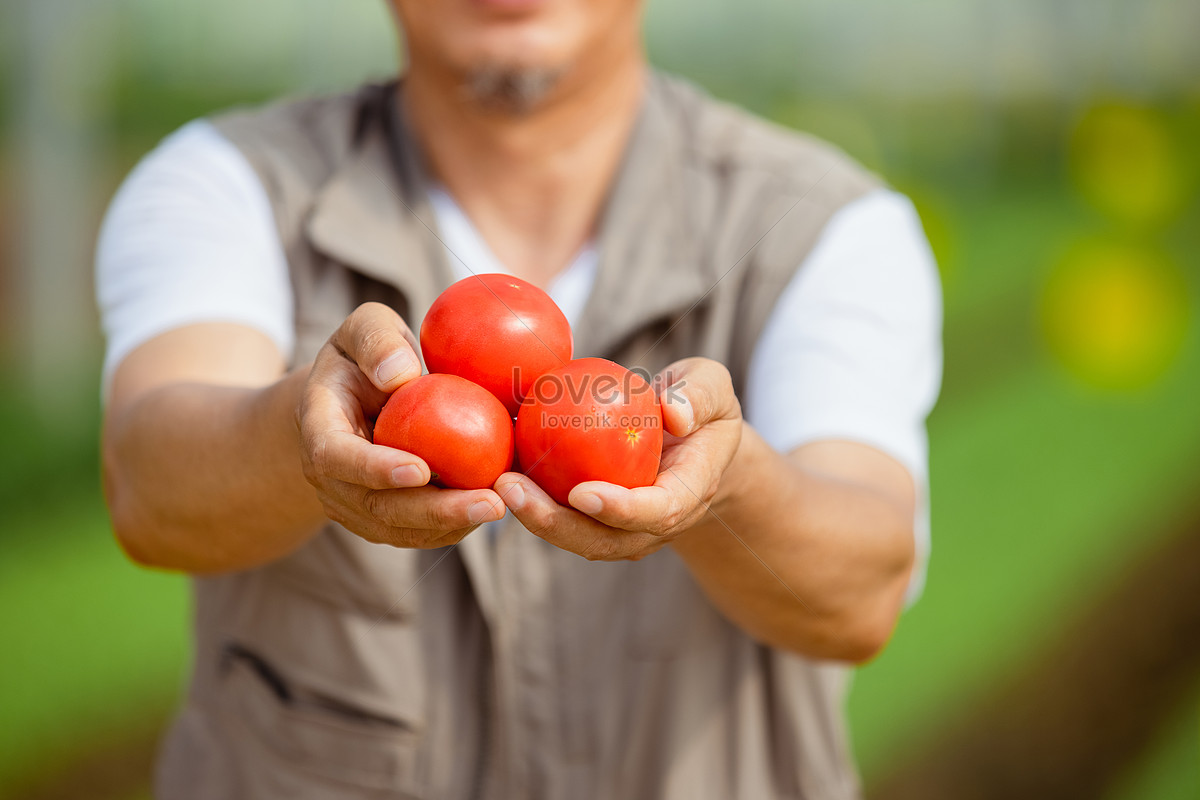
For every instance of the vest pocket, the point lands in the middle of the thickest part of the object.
(296, 742)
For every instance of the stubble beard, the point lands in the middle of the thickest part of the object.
(511, 90)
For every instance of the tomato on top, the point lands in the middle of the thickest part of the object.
(498, 331)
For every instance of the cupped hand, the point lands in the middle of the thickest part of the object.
(379, 493)
(703, 427)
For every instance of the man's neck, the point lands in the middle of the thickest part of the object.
(533, 184)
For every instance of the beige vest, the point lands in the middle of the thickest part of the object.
(507, 668)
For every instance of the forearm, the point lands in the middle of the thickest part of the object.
(205, 478)
(799, 560)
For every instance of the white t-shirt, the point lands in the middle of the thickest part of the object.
(852, 350)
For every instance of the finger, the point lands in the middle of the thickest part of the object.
(376, 339)
(537, 511)
(652, 509)
(415, 538)
(696, 391)
(338, 398)
(695, 467)
(336, 446)
(432, 508)
(564, 527)
(453, 537)
(349, 458)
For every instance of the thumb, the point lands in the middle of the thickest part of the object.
(695, 392)
(378, 340)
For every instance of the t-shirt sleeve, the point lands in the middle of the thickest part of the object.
(190, 237)
(852, 350)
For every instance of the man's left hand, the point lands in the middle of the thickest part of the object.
(702, 423)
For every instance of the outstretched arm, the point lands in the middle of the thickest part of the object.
(216, 460)
(809, 551)
(201, 452)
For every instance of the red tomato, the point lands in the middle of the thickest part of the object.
(497, 331)
(461, 431)
(591, 420)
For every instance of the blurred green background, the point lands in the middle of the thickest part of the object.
(1053, 149)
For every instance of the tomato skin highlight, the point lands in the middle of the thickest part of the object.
(591, 420)
(498, 331)
(461, 431)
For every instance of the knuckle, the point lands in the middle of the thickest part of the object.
(362, 466)
(373, 504)
(537, 520)
(318, 456)
(301, 410)
(364, 312)
(672, 519)
(598, 550)
(386, 534)
(441, 518)
(537, 524)
(648, 524)
(328, 352)
(375, 340)
(350, 332)
(408, 537)
(544, 522)
(336, 344)
(629, 522)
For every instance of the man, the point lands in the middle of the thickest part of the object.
(260, 275)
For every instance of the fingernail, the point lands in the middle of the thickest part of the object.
(513, 495)
(588, 503)
(407, 476)
(394, 366)
(479, 511)
(686, 411)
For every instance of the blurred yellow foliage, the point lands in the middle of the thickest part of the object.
(1124, 159)
(1115, 315)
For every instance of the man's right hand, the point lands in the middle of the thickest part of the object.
(380, 493)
